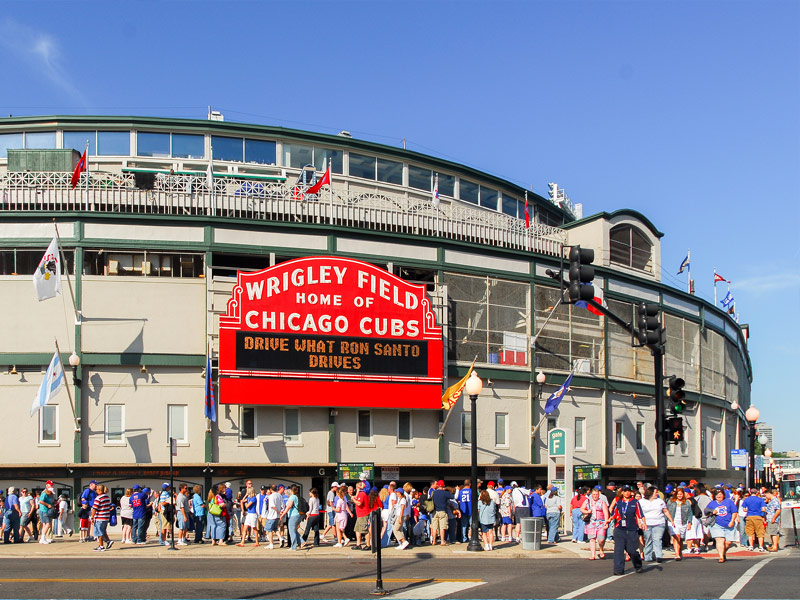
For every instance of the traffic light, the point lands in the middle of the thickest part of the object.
(674, 430)
(581, 274)
(676, 396)
(648, 324)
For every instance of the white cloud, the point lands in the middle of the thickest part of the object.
(42, 54)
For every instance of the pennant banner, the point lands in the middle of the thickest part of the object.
(453, 393)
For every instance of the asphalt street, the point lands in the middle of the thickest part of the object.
(421, 575)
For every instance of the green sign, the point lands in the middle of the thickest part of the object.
(353, 471)
(557, 442)
(588, 472)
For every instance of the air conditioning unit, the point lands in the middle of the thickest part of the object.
(113, 267)
(582, 365)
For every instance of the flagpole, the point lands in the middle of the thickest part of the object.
(69, 394)
(689, 270)
(715, 286)
(547, 320)
(87, 175)
(69, 283)
(330, 190)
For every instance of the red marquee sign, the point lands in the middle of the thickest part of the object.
(327, 331)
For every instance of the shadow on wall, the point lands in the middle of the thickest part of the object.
(276, 451)
(140, 447)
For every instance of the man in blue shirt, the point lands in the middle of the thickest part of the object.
(754, 523)
(139, 505)
(440, 497)
(11, 517)
(89, 494)
(465, 505)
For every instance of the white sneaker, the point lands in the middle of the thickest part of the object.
(403, 546)
(337, 545)
(346, 541)
(270, 547)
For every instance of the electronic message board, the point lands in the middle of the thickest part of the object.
(328, 331)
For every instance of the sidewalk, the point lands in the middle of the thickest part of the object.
(72, 548)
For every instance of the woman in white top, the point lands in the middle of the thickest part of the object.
(126, 516)
(655, 516)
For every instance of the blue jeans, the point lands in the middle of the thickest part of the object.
(217, 525)
(553, 520)
(11, 523)
(653, 538)
(466, 524)
(294, 535)
(138, 530)
(578, 525)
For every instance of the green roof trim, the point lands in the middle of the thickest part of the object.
(628, 212)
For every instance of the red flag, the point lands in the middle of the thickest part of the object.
(79, 168)
(326, 178)
(718, 277)
(527, 214)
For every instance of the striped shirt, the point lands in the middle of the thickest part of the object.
(102, 508)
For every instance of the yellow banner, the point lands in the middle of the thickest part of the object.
(453, 393)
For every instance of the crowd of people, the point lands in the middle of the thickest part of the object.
(641, 520)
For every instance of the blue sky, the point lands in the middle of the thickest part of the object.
(685, 111)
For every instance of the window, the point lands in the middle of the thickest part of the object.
(322, 157)
(362, 166)
(297, 156)
(619, 437)
(702, 441)
(15, 261)
(247, 424)
(390, 171)
(291, 426)
(501, 430)
(76, 140)
(259, 151)
(177, 425)
(419, 178)
(48, 428)
(580, 433)
(113, 143)
(364, 427)
(141, 264)
(489, 198)
(466, 428)
(630, 247)
(468, 191)
(41, 139)
(152, 144)
(404, 427)
(227, 148)
(713, 444)
(188, 146)
(510, 206)
(552, 423)
(447, 185)
(639, 437)
(13, 141)
(115, 424)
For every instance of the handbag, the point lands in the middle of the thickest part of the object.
(214, 508)
(52, 512)
(587, 517)
(113, 520)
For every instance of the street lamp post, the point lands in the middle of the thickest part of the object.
(752, 415)
(473, 388)
(540, 379)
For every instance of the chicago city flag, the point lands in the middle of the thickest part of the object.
(47, 277)
(52, 384)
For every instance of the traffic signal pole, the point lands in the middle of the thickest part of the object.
(661, 445)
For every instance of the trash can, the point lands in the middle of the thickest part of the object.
(532, 528)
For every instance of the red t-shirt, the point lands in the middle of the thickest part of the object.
(363, 510)
(577, 501)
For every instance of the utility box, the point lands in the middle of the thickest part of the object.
(54, 161)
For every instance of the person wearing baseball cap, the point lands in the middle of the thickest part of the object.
(439, 521)
(628, 518)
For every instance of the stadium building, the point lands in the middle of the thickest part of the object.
(166, 240)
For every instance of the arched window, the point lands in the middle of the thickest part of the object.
(631, 248)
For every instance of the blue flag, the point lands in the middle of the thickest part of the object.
(211, 405)
(555, 399)
(727, 299)
(52, 384)
(684, 264)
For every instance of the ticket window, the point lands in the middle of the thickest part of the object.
(116, 494)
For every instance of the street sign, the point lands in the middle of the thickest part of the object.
(588, 472)
(759, 466)
(557, 442)
(738, 458)
(353, 471)
(173, 443)
(390, 473)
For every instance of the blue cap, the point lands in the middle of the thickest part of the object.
(500, 480)
(598, 487)
(92, 481)
(682, 484)
(669, 488)
(136, 487)
(146, 490)
(164, 486)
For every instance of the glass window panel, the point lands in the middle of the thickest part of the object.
(292, 425)
(447, 185)
(227, 148)
(510, 206)
(640, 436)
(619, 438)
(113, 143)
(48, 416)
(114, 425)
(259, 151)
(364, 427)
(390, 171)
(580, 432)
(420, 178)
(500, 429)
(177, 422)
(466, 428)
(323, 155)
(247, 431)
(468, 191)
(76, 140)
(152, 144)
(10, 140)
(552, 423)
(41, 139)
(403, 427)
(186, 145)
(489, 198)
(297, 156)
(362, 166)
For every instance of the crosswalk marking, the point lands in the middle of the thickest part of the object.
(591, 586)
(737, 586)
(437, 590)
